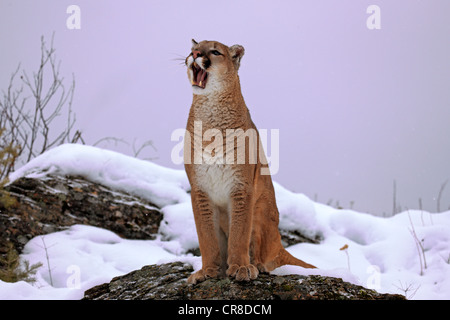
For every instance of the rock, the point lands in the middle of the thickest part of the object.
(54, 203)
(168, 282)
(289, 238)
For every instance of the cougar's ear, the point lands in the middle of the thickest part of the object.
(237, 52)
(194, 43)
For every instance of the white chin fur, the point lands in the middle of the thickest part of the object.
(198, 90)
(211, 87)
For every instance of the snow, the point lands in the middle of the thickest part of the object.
(159, 185)
(408, 253)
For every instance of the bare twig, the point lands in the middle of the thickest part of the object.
(146, 144)
(48, 260)
(408, 289)
(441, 190)
(345, 248)
(116, 141)
(419, 247)
(394, 200)
(136, 151)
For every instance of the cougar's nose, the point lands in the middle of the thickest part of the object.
(196, 54)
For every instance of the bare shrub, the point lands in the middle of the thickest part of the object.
(28, 111)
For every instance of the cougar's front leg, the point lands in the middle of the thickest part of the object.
(240, 230)
(207, 238)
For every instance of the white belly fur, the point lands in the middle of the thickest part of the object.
(217, 180)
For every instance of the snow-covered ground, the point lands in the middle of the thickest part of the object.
(408, 253)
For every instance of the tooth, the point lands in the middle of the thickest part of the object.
(200, 83)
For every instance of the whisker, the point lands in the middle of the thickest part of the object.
(180, 58)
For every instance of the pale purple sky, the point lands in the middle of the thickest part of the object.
(356, 108)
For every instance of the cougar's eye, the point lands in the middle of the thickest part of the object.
(215, 52)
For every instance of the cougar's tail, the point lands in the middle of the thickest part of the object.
(285, 257)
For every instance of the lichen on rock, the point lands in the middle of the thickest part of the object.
(168, 282)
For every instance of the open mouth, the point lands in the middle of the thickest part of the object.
(200, 76)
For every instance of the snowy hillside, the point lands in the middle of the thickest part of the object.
(407, 254)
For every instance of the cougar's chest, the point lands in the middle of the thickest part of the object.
(217, 180)
(214, 175)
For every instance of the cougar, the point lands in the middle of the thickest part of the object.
(233, 201)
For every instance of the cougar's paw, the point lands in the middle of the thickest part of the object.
(261, 268)
(203, 274)
(242, 273)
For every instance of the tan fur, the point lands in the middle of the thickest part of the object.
(234, 204)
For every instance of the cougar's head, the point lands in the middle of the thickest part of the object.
(212, 65)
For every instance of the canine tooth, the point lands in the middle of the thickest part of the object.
(200, 83)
